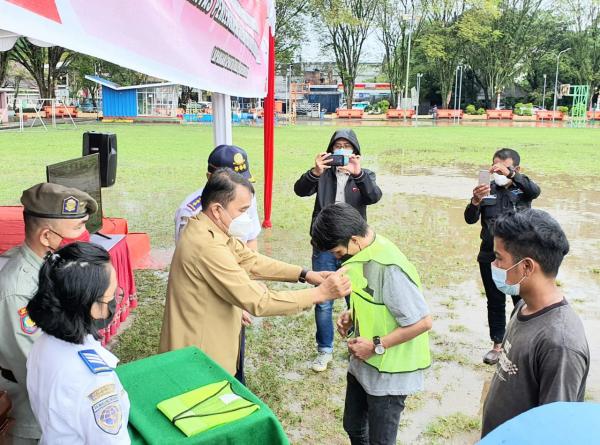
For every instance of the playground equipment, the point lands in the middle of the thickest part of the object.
(296, 89)
(57, 108)
(581, 94)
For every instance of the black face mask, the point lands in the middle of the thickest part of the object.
(347, 256)
(103, 323)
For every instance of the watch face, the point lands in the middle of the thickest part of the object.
(379, 349)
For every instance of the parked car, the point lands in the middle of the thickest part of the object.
(87, 106)
(360, 105)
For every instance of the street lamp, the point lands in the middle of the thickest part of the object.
(544, 95)
(458, 78)
(556, 81)
(419, 75)
(410, 29)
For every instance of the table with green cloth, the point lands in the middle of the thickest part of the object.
(154, 379)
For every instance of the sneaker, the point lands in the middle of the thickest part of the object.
(321, 361)
(492, 357)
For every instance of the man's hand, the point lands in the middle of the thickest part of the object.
(336, 285)
(361, 348)
(322, 162)
(353, 166)
(344, 323)
(246, 318)
(480, 192)
(500, 169)
(316, 278)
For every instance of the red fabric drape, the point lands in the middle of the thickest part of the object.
(269, 130)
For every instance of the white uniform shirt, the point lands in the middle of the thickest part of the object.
(192, 205)
(75, 394)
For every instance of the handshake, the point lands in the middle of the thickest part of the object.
(330, 285)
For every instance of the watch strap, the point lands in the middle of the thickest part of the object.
(302, 277)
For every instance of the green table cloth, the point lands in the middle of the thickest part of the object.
(154, 379)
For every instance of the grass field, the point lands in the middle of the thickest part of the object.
(426, 175)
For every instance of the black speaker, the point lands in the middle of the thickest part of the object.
(105, 144)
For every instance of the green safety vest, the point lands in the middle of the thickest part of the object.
(374, 319)
(206, 407)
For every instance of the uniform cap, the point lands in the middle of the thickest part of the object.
(232, 157)
(47, 200)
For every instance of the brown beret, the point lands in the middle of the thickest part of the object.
(47, 200)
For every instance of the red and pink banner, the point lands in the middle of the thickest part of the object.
(215, 45)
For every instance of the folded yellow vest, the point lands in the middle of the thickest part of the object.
(206, 407)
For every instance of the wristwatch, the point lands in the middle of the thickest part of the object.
(302, 277)
(379, 349)
(512, 172)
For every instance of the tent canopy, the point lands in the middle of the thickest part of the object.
(223, 46)
(219, 46)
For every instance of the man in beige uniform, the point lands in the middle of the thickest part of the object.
(52, 214)
(212, 273)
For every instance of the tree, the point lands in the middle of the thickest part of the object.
(440, 43)
(499, 38)
(45, 65)
(289, 28)
(347, 23)
(396, 20)
(4, 58)
(82, 65)
(583, 19)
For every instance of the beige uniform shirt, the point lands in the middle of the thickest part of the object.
(18, 283)
(211, 281)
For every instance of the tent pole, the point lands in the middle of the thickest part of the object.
(269, 131)
(221, 108)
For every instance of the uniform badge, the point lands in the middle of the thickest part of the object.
(27, 324)
(93, 361)
(70, 206)
(195, 204)
(108, 414)
(239, 164)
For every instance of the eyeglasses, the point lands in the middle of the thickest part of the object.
(343, 146)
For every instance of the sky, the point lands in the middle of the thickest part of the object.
(311, 50)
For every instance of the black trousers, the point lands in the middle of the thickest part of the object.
(240, 368)
(496, 304)
(371, 420)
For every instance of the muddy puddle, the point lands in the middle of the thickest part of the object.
(431, 201)
(460, 337)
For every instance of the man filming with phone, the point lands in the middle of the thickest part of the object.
(505, 189)
(337, 176)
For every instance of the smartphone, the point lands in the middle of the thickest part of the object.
(338, 161)
(485, 177)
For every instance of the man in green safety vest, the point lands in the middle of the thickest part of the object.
(386, 325)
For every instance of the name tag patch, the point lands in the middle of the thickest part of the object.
(93, 361)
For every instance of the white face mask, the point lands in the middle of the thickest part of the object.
(241, 226)
(500, 180)
(499, 277)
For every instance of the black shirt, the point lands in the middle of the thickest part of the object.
(545, 359)
(516, 197)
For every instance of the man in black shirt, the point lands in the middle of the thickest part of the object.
(545, 355)
(511, 191)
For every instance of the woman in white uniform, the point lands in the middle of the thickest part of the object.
(74, 392)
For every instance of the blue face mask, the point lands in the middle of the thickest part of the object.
(499, 277)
